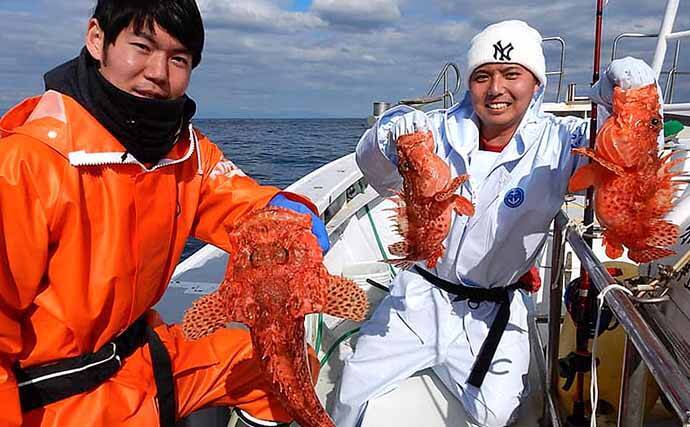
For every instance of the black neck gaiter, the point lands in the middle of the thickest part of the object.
(147, 128)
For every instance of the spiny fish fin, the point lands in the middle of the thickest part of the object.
(610, 166)
(649, 254)
(584, 152)
(585, 177)
(401, 225)
(463, 206)
(399, 248)
(662, 233)
(401, 263)
(670, 164)
(206, 315)
(598, 159)
(346, 299)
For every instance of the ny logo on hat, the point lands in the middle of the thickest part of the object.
(502, 53)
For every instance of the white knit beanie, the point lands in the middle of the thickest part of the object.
(508, 41)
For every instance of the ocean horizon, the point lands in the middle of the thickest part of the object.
(280, 151)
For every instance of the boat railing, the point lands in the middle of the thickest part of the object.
(645, 350)
(447, 96)
(671, 74)
(561, 68)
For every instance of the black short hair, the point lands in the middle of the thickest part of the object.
(180, 18)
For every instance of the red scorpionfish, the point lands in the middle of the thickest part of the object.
(423, 214)
(275, 276)
(633, 187)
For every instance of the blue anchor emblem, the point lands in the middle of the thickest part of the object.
(514, 197)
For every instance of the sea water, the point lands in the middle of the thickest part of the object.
(280, 151)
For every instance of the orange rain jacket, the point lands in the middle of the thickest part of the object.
(89, 242)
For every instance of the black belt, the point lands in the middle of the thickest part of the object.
(476, 295)
(45, 384)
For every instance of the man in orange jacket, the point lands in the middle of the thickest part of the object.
(102, 180)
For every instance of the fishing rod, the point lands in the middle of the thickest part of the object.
(585, 297)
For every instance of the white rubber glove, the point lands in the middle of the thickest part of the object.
(627, 73)
(414, 121)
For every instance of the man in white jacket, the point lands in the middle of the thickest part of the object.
(466, 317)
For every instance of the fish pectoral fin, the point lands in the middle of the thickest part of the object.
(462, 206)
(618, 170)
(610, 166)
(449, 190)
(583, 151)
(206, 315)
(346, 299)
(585, 177)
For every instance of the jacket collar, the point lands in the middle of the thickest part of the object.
(60, 122)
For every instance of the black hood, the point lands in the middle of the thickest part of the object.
(147, 128)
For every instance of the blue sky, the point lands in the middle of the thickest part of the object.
(300, 5)
(329, 58)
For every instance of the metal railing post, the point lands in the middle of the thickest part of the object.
(672, 73)
(561, 70)
(633, 388)
(551, 408)
(664, 30)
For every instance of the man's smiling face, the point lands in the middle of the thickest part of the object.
(501, 94)
(149, 63)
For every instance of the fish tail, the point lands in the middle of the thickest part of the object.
(292, 376)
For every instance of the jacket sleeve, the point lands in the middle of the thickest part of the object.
(375, 153)
(24, 246)
(226, 195)
(574, 133)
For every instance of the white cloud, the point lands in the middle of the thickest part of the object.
(358, 13)
(336, 58)
(255, 15)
